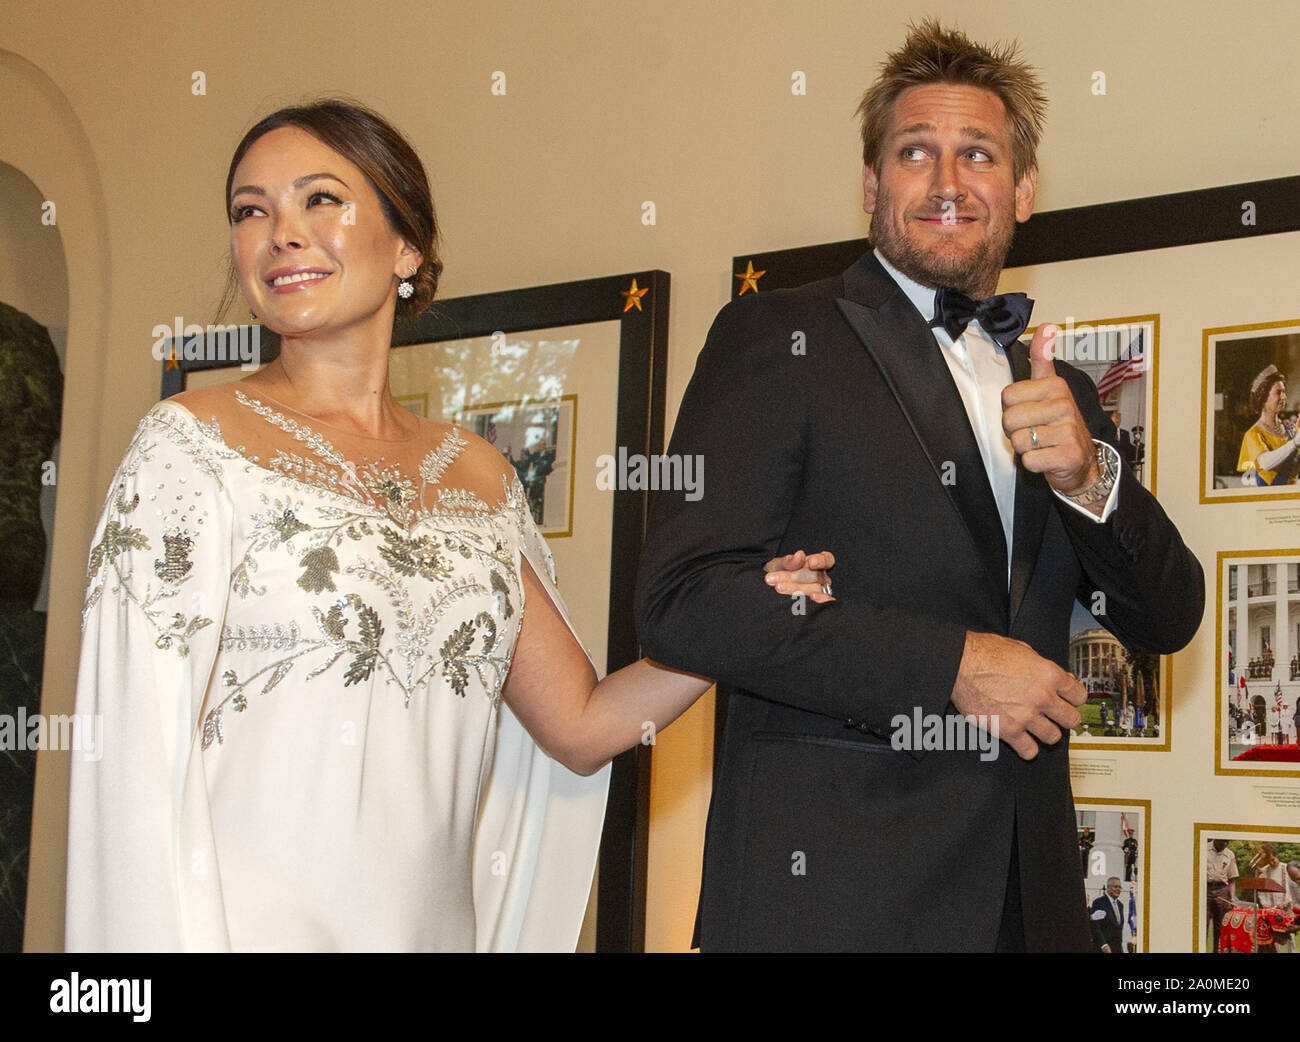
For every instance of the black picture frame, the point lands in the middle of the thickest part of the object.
(1102, 230)
(1240, 211)
(638, 301)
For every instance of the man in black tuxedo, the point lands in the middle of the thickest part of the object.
(968, 492)
(1108, 920)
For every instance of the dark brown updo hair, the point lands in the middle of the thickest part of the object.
(1260, 394)
(391, 165)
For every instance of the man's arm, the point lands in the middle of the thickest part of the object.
(1154, 586)
(701, 603)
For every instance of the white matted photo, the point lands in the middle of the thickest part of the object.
(1258, 663)
(1128, 689)
(1247, 897)
(538, 439)
(1120, 356)
(1250, 436)
(1114, 837)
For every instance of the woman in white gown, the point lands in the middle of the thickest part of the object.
(317, 627)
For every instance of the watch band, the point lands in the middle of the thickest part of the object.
(1105, 480)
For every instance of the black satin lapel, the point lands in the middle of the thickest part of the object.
(908, 356)
(1033, 501)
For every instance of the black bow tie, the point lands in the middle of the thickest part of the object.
(1003, 317)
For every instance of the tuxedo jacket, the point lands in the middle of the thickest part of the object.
(1109, 930)
(826, 418)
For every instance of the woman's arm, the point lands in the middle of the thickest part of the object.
(552, 687)
(159, 573)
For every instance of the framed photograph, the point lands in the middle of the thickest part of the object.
(515, 364)
(1249, 428)
(1114, 838)
(538, 439)
(1247, 891)
(1257, 663)
(1121, 356)
(1128, 689)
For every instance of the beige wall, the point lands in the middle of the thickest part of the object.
(33, 277)
(607, 106)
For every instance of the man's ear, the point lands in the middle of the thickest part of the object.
(870, 185)
(1025, 189)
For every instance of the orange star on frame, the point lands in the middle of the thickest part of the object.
(633, 296)
(750, 277)
(172, 361)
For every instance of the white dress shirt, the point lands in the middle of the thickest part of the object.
(981, 369)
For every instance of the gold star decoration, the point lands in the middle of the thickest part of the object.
(750, 278)
(632, 297)
(172, 361)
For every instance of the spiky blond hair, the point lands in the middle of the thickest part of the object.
(932, 54)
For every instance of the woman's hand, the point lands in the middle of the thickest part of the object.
(552, 688)
(800, 573)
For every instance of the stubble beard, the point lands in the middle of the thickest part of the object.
(973, 272)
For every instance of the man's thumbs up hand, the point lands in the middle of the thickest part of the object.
(1043, 423)
(1041, 351)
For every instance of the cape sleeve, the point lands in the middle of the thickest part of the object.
(158, 575)
(539, 823)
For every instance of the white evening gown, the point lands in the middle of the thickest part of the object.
(299, 664)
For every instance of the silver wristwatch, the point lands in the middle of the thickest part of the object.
(1106, 476)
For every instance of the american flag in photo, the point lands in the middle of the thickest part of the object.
(1130, 365)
